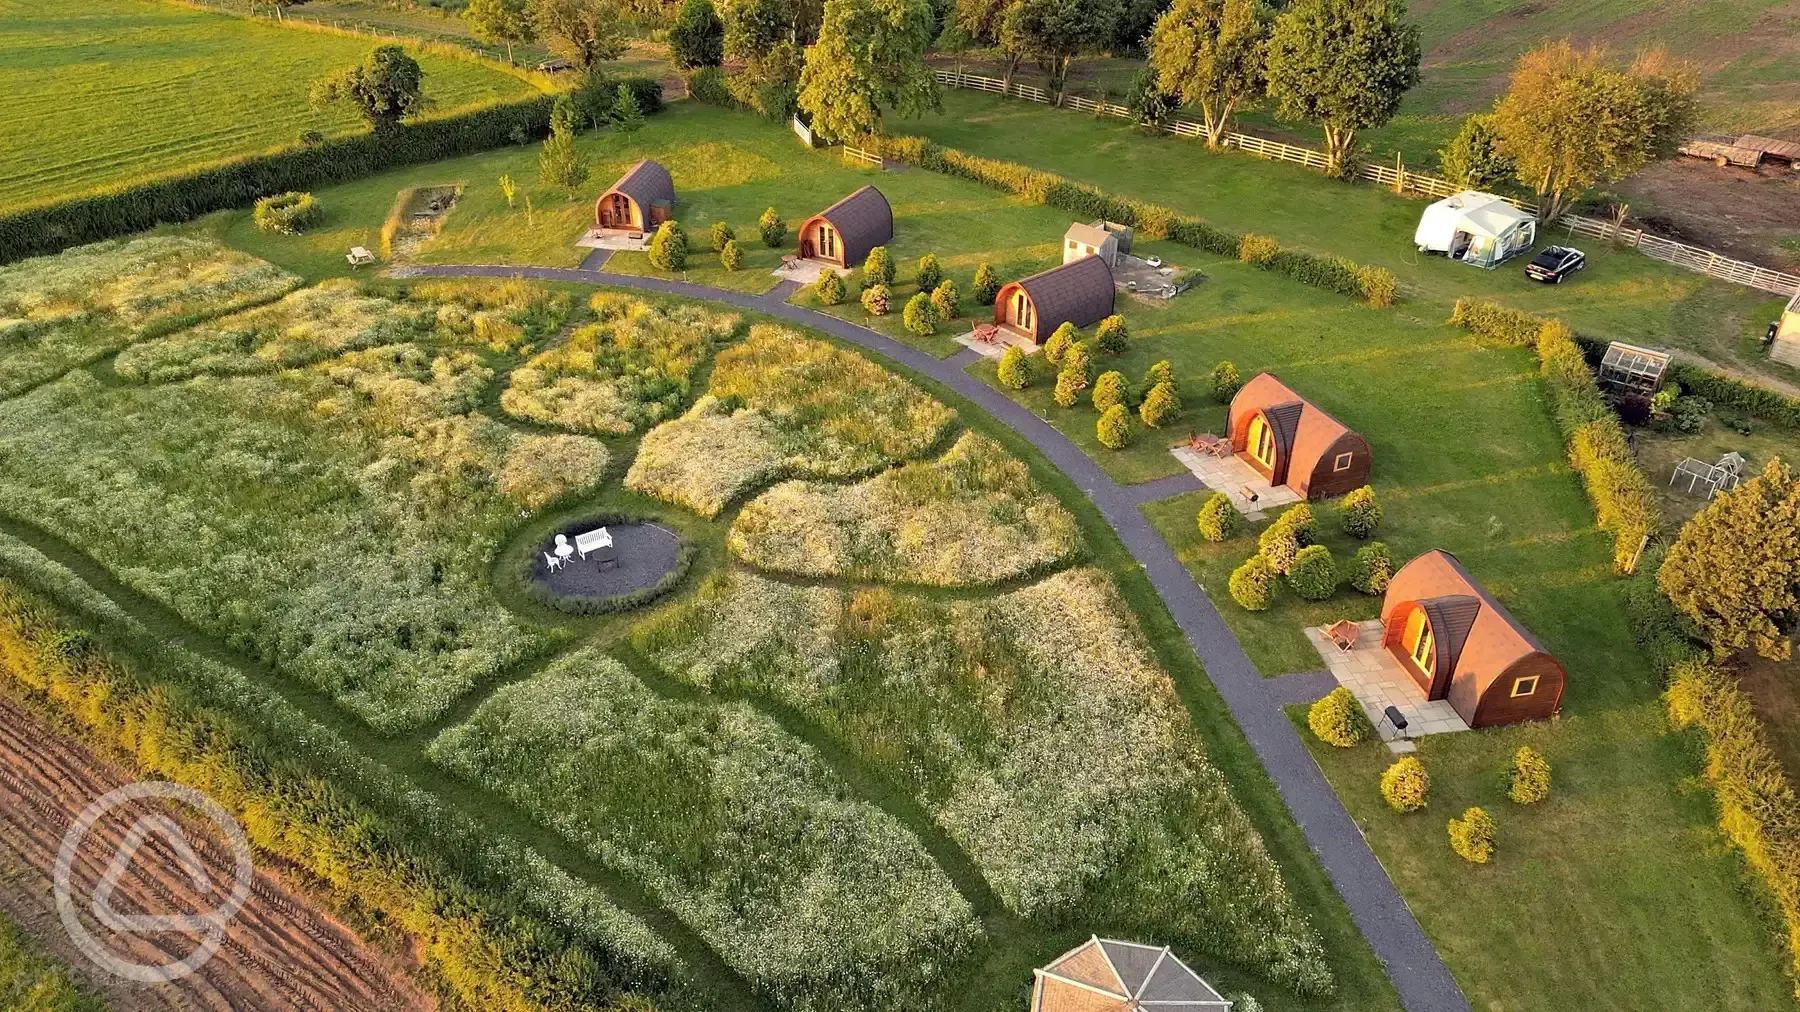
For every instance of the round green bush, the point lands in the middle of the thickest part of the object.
(1405, 784)
(773, 229)
(1371, 568)
(1218, 519)
(1161, 372)
(931, 272)
(1058, 345)
(1114, 427)
(1530, 777)
(1015, 369)
(920, 315)
(1359, 513)
(1069, 386)
(1314, 574)
(947, 300)
(1113, 336)
(669, 247)
(1109, 390)
(1282, 540)
(878, 268)
(987, 285)
(1338, 719)
(1160, 405)
(1252, 584)
(1225, 382)
(721, 233)
(829, 289)
(729, 256)
(1472, 836)
(1077, 360)
(875, 300)
(288, 213)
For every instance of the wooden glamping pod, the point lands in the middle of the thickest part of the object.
(845, 232)
(1459, 644)
(1078, 292)
(1104, 975)
(1291, 442)
(643, 198)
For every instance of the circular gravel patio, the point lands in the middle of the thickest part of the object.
(648, 554)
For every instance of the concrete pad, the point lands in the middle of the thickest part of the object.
(1236, 478)
(1003, 340)
(1378, 681)
(1401, 746)
(613, 239)
(808, 272)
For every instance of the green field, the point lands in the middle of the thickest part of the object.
(160, 87)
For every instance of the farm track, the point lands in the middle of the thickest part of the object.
(278, 954)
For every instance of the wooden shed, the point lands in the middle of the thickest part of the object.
(845, 232)
(643, 198)
(1105, 975)
(1459, 644)
(1295, 443)
(1785, 347)
(1078, 292)
(1100, 239)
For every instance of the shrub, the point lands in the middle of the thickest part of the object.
(1530, 777)
(1160, 405)
(987, 286)
(1113, 336)
(1252, 584)
(1338, 719)
(1495, 322)
(1371, 568)
(1077, 360)
(729, 257)
(1218, 519)
(1245, 1002)
(1161, 372)
(1689, 413)
(721, 233)
(829, 288)
(669, 247)
(878, 268)
(1109, 391)
(1472, 836)
(288, 213)
(1314, 574)
(931, 272)
(875, 300)
(920, 315)
(1225, 382)
(1359, 513)
(1015, 369)
(707, 85)
(772, 228)
(1377, 285)
(1282, 540)
(1069, 386)
(1058, 344)
(1114, 427)
(947, 300)
(1405, 785)
(1257, 249)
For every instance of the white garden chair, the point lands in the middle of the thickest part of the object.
(554, 562)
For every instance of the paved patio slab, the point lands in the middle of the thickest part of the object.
(1003, 340)
(613, 239)
(1233, 477)
(1378, 682)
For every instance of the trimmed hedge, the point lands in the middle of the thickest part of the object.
(55, 225)
(1152, 221)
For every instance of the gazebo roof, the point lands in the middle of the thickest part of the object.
(1107, 975)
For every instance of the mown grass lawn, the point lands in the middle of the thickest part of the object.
(160, 87)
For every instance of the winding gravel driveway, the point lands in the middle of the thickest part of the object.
(1421, 979)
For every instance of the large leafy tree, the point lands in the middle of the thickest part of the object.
(560, 166)
(1570, 120)
(1735, 569)
(584, 32)
(1211, 54)
(384, 89)
(980, 20)
(1472, 159)
(1343, 64)
(697, 38)
(505, 22)
(869, 61)
(1054, 32)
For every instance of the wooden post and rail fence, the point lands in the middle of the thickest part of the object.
(1400, 179)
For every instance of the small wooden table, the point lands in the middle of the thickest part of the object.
(1344, 633)
(986, 333)
(788, 260)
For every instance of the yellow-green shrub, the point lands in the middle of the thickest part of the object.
(1472, 836)
(1530, 777)
(1338, 719)
(1405, 784)
(1257, 249)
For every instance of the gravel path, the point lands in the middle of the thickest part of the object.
(1420, 977)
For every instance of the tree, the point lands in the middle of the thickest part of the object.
(1570, 121)
(384, 89)
(1069, 386)
(1252, 585)
(947, 300)
(1212, 54)
(1161, 371)
(1371, 568)
(729, 257)
(1109, 391)
(1077, 360)
(875, 300)
(1150, 105)
(920, 315)
(869, 61)
(1059, 342)
(1225, 382)
(627, 116)
(1338, 719)
(697, 39)
(1343, 64)
(584, 32)
(720, 233)
(1054, 32)
(987, 286)
(506, 22)
(1313, 575)
(560, 166)
(980, 21)
(1114, 427)
(669, 247)
(772, 228)
(1530, 777)
(1015, 369)
(1472, 159)
(508, 189)
(1112, 337)
(878, 267)
(767, 36)
(1735, 568)
(931, 271)
(829, 288)
(1160, 405)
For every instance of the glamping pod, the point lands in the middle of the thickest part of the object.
(1476, 228)
(1078, 292)
(1459, 644)
(845, 232)
(1104, 975)
(1785, 345)
(1294, 443)
(643, 198)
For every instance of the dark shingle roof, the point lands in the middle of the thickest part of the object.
(1079, 292)
(863, 221)
(1451, 616)
(646, 183)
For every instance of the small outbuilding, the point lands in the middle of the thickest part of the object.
(1103, 239)
(845, 232)
(1784, 345)
(1458, 643)
(1078, 292)
(1292, 442)
(643, 198)
(1105, 975)
(1475, 228)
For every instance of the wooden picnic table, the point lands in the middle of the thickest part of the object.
(986, 332)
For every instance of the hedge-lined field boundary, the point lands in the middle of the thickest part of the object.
(1152, 221)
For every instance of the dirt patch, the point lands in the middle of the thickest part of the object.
(279, 952)
(1737, 212)
(1774, 690)
(418, 216)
